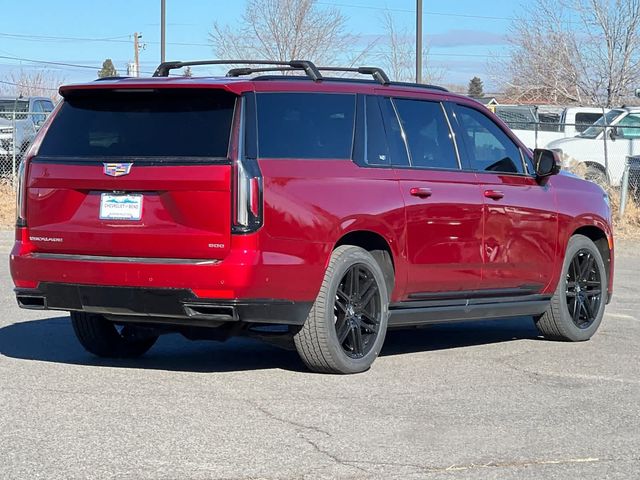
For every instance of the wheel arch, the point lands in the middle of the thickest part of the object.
(601, 240)
(380, 247)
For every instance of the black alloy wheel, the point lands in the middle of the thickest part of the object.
(584, 292)
(357, 311)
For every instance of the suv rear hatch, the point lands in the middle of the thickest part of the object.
(134, 173)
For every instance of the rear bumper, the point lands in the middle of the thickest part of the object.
(254, 268)
(178, 307)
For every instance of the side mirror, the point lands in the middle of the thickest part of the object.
(547, 162)
(614, 133)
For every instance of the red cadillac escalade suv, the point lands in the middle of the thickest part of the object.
(323, 209)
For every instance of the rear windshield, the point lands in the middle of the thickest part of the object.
(305, 125)
(164, 123)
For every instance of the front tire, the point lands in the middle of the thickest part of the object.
(346, 327)
(102, 338)
(597, 176)
(577, 307)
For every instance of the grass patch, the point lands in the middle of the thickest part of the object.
(627, 226)
(7, 205)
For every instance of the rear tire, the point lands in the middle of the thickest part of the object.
(102, 338)
(577, 307)
(346, 327)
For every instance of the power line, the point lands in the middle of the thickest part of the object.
(46, 62)
(408, 10)
(26, 86)
(52, 38)
(57, 64)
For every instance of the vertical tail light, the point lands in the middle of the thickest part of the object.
(21, 201)
(248, 201)
(248, 185)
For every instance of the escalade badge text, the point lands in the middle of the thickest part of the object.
(117, 169)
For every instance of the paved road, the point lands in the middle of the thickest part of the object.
(474, 401)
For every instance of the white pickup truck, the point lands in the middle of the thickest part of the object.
(20, 119)
(602, 149)
(528, 125)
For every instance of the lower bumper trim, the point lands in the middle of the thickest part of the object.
(166, 304)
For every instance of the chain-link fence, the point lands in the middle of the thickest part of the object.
(603, 152)
(17, 132)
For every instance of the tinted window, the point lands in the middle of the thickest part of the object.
(47, 106)
(518, 118)
(305, 125)
(155, 124)
(38, 115)
(377, 149)
(428, 135)
(585, 120)
(399, 154)
(9, 107)
(629, 126)
(487, 146)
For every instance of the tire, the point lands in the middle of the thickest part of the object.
(102, 338)
(342, 309)
(560, 321)
(597, 176)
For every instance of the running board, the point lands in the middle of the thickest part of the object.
(407, 314)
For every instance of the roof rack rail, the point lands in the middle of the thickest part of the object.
(312, 71)
(419, 85)
(378, 74)
(309, 68)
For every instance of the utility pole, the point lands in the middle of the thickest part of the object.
(136, 54)
(163, 28)
(418, 41)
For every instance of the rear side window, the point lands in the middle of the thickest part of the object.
(585, 120)
(489, 149)
(428, 135)
(305, 125)
(165, 123)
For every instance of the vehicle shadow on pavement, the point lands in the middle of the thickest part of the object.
(53, 340)
(456, 335)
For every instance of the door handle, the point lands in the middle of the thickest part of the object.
(420, 192)
(494, 194)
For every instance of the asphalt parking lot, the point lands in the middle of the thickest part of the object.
(470, 401)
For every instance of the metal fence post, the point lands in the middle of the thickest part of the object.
(536, 124)
(624, 191)
(605, 133)
(13, 148)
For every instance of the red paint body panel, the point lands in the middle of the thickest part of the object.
(453, 239)
(444, 231)
(520, 232)
(64, 202)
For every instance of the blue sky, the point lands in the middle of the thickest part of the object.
(463, 34)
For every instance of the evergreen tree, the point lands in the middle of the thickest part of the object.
(107, 70)
(475, 89)
(187, 72)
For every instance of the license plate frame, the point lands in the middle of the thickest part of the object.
(121, 206)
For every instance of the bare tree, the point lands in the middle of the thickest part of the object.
(44, 83)
(574, 51)
(398, 54)
(614, 50)
(287, 30)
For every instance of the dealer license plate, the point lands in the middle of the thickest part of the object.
(120, 207)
